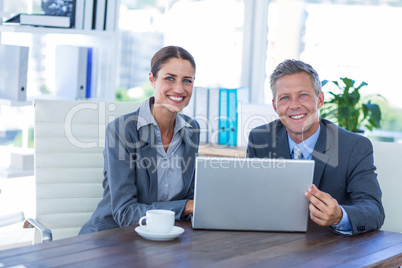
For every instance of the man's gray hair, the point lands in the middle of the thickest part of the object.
(289, 67)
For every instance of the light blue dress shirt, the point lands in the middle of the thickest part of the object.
(307, 148)
(170, 180)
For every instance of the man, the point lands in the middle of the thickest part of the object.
(345, 194)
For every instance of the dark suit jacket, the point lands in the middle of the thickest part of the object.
(344, 168)
(130, 174)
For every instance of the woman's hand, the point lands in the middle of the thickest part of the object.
(189, 208)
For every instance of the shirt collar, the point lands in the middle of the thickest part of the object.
(145, 117)
(306, 146)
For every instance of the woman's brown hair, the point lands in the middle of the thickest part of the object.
(165, 54)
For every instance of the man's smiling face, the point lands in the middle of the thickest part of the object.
(297, 105)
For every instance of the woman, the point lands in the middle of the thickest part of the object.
(150, 154)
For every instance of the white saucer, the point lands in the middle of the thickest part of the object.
(176, 231)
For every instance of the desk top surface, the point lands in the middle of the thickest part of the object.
(123, 247)
(221, 150)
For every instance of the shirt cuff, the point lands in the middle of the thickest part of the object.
(344, 224)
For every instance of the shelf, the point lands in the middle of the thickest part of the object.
(14, 173)
(16, 162)
(13, 103)
(49, 30)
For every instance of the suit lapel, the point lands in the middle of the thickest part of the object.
(187, 161)
(282, 151)
(320, 155)
(147, 138)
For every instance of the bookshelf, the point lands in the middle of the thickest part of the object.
(104, 45)
(48, 30)
(103, 42)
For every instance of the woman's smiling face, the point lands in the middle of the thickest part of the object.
(173, 85)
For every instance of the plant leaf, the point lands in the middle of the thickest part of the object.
(348, 109)
(361, 85)
(348, 83)
(337, 84)
(354, 97)
(374, 114)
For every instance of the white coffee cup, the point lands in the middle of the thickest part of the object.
(158, 220)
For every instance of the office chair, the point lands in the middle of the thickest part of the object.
(69, 138)
(387, 159)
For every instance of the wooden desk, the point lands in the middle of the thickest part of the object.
(221, 151)
(123, 247)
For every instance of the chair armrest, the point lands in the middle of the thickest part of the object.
(45, 233)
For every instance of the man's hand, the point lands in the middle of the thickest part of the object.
(324, 210)
(189, 208)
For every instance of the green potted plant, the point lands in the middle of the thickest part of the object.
(349, 110)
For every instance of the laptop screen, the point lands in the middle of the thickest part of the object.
(251, 194)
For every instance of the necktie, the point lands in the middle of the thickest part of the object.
(297, 152)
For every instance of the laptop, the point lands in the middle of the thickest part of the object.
(251, 194)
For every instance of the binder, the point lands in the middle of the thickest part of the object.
(95, 69)
(200, 95)
(88, 14)
(71, 72)
(100, 15)
(228, 114)
(250, 116)
(94, 9)
(189, 109)
(204, 107)
(13, 72)
(79, 14)
(213, 115)
(111, 11)
(223, 136)
(88, 89)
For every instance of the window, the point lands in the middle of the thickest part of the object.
(355, 39)
(212, 31)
